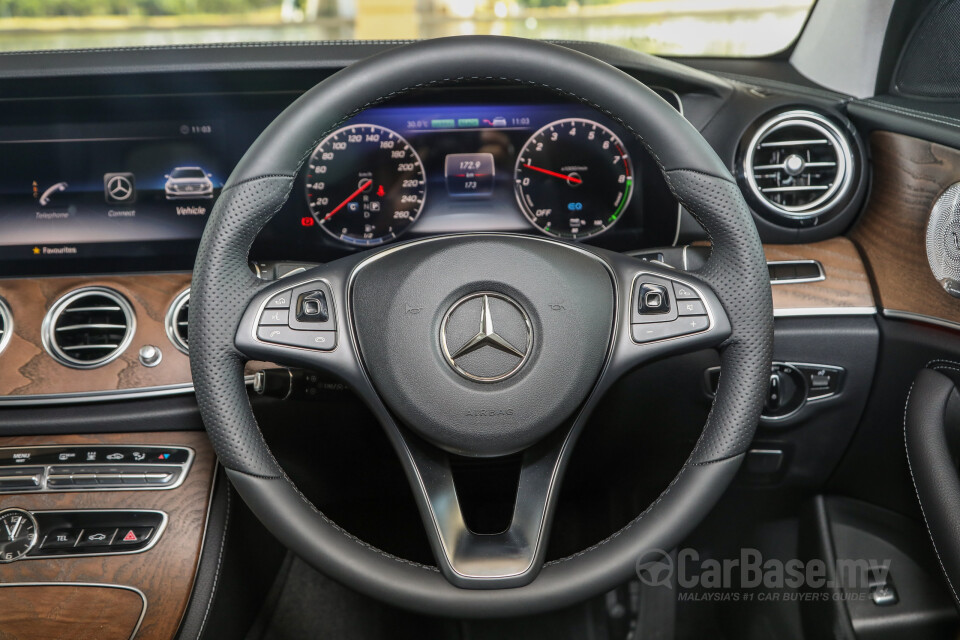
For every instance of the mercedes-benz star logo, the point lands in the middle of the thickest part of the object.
(497, 350)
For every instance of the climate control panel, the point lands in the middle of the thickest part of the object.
(92, 468)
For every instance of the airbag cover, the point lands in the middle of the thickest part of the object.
(407, 301)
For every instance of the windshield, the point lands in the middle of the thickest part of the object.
(189, 172)
(732, 28)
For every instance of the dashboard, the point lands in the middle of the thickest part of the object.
(127, 184)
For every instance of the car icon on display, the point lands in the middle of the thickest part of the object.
(188, 183)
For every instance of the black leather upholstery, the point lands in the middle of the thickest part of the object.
(260, 185)
(930, 414)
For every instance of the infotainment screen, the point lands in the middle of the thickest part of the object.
(115, 191)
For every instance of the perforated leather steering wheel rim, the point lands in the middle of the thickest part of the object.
(261, 183)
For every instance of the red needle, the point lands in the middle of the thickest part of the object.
(363, 185)
(554, 174)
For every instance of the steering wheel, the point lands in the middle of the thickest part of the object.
(480, 344)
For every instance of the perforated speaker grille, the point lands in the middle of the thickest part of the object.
(943, 240)
(930, 64)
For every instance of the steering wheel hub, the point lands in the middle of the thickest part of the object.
(508, 335)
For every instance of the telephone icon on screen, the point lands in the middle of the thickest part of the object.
(46, 195)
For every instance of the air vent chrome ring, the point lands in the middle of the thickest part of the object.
(797, 168)
(6, 324)
(51, 327)
(176, 316)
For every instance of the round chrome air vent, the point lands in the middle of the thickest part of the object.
(799, 164)
(177, 321)
(88, 327)
(6, 324)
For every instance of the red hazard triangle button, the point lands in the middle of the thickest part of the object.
(133, 535)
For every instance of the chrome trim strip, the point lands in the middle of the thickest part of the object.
(143, 611)
(919, 317)
(170, 321)
(6, 331)
(819, 278)
(824, 311)
(84, 397)
(150, 543)
(53, 314)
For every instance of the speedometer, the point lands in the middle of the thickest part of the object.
(573, 178)
(365, 184)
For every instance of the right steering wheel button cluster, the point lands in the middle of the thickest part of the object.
(665, 308)
(300, 317)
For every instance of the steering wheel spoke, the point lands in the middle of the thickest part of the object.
(509, 558)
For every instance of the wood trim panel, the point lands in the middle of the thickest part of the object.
(909, 174)
(26, 369)
(164, 574)
(79, 612)
(846, 284)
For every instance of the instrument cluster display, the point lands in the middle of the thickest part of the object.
(557, 169)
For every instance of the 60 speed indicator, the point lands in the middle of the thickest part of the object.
(365, 184)
(573, 178)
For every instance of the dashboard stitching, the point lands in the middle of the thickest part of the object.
(910, 112)
(906, 447)
(217, 45)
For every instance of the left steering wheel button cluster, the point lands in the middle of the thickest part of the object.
(300, 317)
(663, 308)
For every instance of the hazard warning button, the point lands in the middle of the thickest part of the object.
(132, 536)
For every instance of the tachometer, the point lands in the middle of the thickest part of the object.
(573, 178)
(365, 184)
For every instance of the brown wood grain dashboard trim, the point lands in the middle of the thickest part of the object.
(909, 174)
(164, 574)
(67, 610)
(27, 369)
(845, 288)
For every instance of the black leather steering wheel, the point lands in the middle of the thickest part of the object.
(395, 359)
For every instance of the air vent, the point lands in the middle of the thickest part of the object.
(88, 327)
(6, 324)
(799, 164)
(178, 316)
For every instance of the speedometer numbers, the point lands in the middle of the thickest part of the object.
(365, 184)
(573, 178)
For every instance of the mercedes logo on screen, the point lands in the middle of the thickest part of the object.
(486, 337)
(118, 188)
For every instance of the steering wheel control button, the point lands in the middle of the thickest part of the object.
(654, 298)
(691, 308)
(271, 317)
(651, 331)
(486, 337)
(684, 292)
(280, 301)
(319, 340)
(312, 307)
